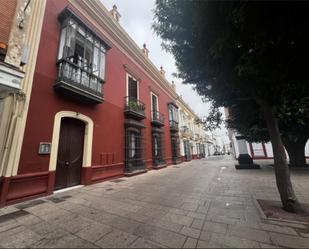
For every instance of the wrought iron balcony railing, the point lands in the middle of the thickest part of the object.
(157, 118)
(174, 125)
(77, 80)
(134, 108)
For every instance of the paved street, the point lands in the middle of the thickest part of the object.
(203, 203)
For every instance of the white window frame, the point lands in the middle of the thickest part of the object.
(127, 84)
(151, 93)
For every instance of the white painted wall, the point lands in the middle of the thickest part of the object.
(238, 146)
(235, 149)
(1, 109)
(258, 150)
(242, 146)
(182, 149)
(307, 149)
(269, 150)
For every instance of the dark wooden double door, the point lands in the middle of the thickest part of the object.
(70, 153)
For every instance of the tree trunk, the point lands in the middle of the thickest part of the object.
(296, 151)
(282, 171)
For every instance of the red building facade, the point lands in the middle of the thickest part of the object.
(99, 108)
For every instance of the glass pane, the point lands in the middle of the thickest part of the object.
(102, 65)
(132, 89)
(79, 53)
(99, 87)
(176, 116)
(70, 42)
(170, 112)
(154, 103)
(85, 79)
(88, 58)
(93, 84)
(96, 61)
(61, 45)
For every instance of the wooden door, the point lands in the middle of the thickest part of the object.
(70, 153)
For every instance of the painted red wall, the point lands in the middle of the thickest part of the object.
(108, 117)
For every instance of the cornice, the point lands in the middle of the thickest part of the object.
(184, 106)
(128, 46)
(124, 42)
(132, 72)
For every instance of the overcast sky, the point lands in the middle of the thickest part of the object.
(136, 19)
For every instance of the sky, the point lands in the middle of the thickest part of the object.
(136, 19)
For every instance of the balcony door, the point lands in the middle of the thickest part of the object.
(154, 106)
(132, 89)
(70, 153)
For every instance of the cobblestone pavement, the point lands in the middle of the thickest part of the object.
(204, 203)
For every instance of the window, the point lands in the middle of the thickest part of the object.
(158, 149)
(81, 59)
(155, 146)
(154, 102)
(132, 88)
(173, 115)
(82, 47)
(134, 149)
(154, 107)
(132, 145)
(133, 106)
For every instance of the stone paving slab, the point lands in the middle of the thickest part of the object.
(200, 204)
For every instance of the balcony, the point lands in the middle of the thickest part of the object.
(133, 108)
(185, 132)
(157, 118)
(78, 82)
(197, 137)
(174, 126)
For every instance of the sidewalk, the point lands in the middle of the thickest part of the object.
(204, 203)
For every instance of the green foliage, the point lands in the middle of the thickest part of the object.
(293, 119)
(247, 120)
(135, 105)
(238, 53)
(213, 120)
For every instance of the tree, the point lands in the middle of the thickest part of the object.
(242, 50)
(293, 125)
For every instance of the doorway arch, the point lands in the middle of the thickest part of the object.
(88, 138)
